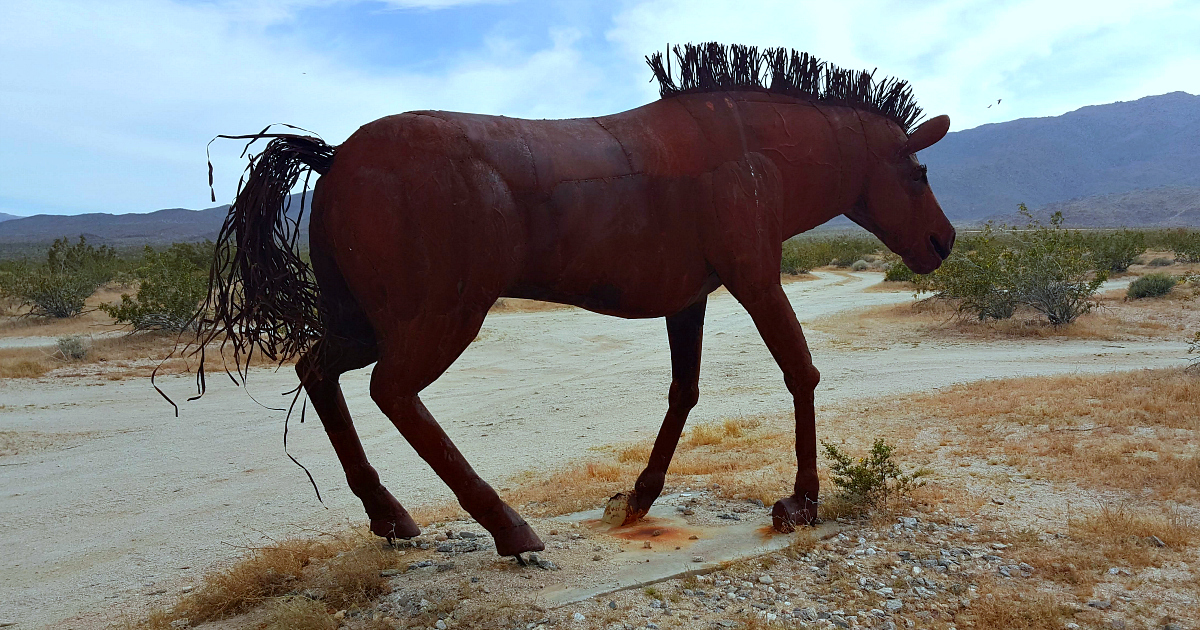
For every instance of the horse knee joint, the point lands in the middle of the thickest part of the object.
(804, 381)
(683, 396)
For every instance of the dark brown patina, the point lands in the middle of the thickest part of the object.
(420, 221)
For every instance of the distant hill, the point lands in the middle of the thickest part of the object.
(1166, 207)
(6, 217)
(1097, 150)
(133, 229)
(1131, 164)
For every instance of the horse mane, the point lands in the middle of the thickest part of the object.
(715, 67)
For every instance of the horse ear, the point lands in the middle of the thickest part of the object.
(925, 136)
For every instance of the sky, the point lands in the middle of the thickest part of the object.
(107, 105)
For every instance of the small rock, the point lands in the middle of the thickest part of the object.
(1071, 626)
(468, 535)
(697, 558)
(646, 545)
(1101, 604)
(998, 501)
(1157, 542)
(766, 579)
(577, 617)
(730, 517)
(596, 558)
(554, 532)
(341, 614)
(441, 538)
(440, 625)
(908, 522)
(693, 537)
(999, 546)
(651, 625)
(893, 605)
(612, 604)
(178, 623)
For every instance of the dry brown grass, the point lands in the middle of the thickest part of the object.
(1141, 428)
(15, 323)
(344, 569)
(1011, 609)
(1172, 317)
(298, 613)
(748, 458)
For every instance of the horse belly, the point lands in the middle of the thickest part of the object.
(619, 246)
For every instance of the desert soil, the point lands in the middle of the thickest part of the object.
(109, 503)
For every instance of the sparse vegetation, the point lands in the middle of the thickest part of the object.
(1114, 251)
(804, 253)
(1151, 285)
(59, 287)
(171, 285)
(899, 272)
(1161, 262)
(1042, 267)
(72, 347)
(871, 481)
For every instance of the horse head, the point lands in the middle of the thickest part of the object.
(897, 204)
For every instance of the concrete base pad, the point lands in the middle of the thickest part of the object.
(666, 544)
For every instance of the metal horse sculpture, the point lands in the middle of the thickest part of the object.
(420, 221)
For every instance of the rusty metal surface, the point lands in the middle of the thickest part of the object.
(424, 219)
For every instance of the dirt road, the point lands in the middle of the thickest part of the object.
(109, 499)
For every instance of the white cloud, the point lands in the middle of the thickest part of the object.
(107, 106)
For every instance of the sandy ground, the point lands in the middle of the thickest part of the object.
(106, 498)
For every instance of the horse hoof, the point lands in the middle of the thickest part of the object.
(393, 527)
(516, 540)
(621, 510)
(792, 512)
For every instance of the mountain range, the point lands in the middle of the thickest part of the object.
(1134, 163)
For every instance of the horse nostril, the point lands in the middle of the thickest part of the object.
(942, 250)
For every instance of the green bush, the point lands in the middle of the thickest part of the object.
(804, 253)
(1151, 285)
(976, 276)
(1042, 267)
(1161, 262)
(872, 480)
(60, 286)
(859, 265)
(794, 261)
(1185, 244)
(72, 347)
(1115, 251)
(899, 272)
(171, 285)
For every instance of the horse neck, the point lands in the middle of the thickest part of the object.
(822, 155)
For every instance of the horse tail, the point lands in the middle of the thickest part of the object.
(262, 295)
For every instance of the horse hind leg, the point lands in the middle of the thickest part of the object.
(406, 368)
(319, 370)
(685, 333)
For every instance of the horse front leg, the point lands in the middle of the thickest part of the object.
(780, 330)
(685, 331)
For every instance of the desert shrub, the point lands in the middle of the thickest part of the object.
(899, 272)
(859, 265)
(1184, 243)
(1055, 273)
(794, 260)
(72, 347)
(976, 276)
(1115, 251)
(802, 254)
(1043, 267)
(60, 286)
(869, 481)
(1151, 285)
(1161, 262)
(171, 284)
